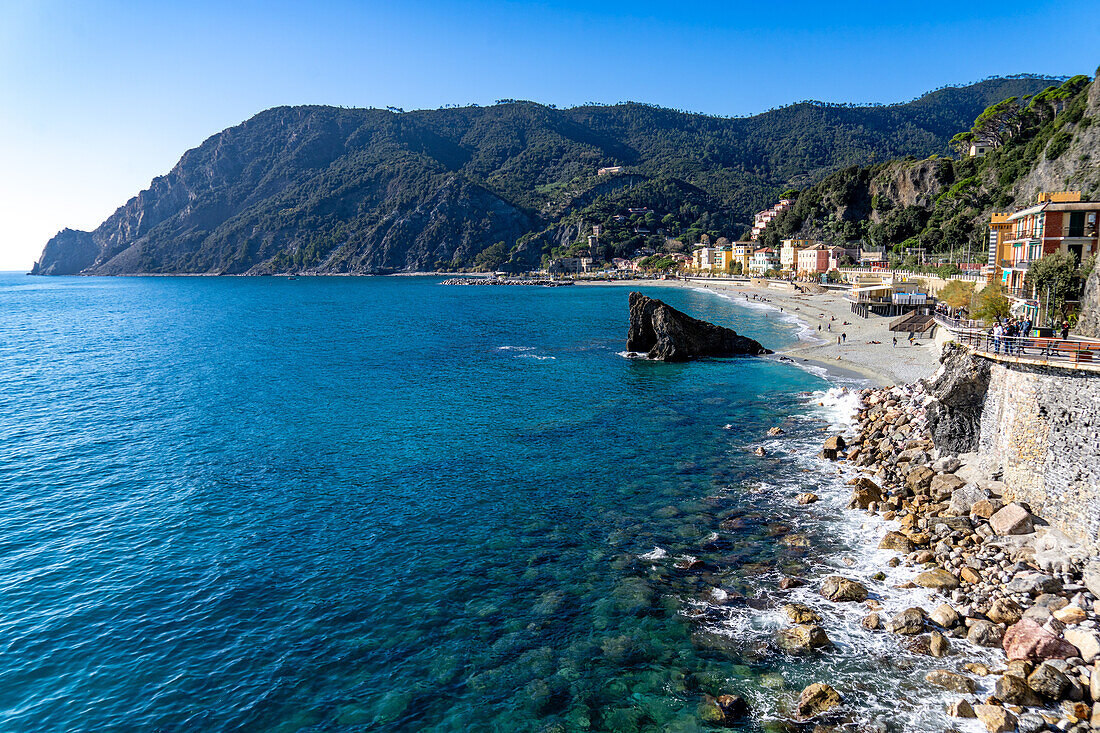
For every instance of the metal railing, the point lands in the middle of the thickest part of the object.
(959, 324)
(1031, 349)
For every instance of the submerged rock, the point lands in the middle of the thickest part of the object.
(950, 681)
(664, 333)
(725, 710)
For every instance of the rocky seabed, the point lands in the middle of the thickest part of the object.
(979, 616)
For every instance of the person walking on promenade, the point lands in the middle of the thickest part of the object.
(1065, 330)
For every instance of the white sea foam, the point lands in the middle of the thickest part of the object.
(515, 348)
(657, 553)
(871, 667)
(538, 357)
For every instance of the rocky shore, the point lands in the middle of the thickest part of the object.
(1008, 585)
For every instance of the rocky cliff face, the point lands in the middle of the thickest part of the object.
(1088, 324)
(1077, 167)
(661, 332)
(911, 183)
(958, 394)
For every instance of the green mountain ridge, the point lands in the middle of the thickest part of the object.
(316, 189)
(1051, 143)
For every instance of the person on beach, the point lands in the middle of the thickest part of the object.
(838, 340)
(910, 338)
(895, 342)
(844, 337)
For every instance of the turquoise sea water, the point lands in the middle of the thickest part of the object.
(385, 504)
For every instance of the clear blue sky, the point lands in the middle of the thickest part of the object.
(96, 98)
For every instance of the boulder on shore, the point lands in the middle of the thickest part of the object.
(836, 588)
(661, 332)
(1028, 640)
(816, 699)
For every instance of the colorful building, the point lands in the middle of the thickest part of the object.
(743, 253)
(703, 258)
(763, 260)
(999, 230)
(788, 254)
(1059, 222)
(813, 261)
(762, 219)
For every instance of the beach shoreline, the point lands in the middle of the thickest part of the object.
(825, 317)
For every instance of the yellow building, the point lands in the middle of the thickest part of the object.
(1000, 231)
(743, 253)
(723, 258)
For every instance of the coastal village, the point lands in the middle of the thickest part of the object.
(1059, 222)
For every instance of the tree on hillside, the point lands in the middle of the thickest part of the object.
(992, 303)
(998, 122)
(1055, 280)
(958, 294)
(492, 257)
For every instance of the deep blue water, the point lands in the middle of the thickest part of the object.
(383, 504)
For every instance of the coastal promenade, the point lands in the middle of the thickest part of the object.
(1078, 353)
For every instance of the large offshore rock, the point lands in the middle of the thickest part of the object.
(958, 392)
(661, 332)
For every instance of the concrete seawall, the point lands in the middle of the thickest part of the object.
(1041, 427)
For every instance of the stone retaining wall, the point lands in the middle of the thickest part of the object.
(1041, 427)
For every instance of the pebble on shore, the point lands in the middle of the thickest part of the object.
(1009, 583)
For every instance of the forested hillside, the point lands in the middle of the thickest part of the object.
(322, 189)
(1046, 141)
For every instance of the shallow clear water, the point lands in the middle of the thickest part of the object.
(387, 504)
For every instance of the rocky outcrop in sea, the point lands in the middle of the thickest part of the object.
(661, 332)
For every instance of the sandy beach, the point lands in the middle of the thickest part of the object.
(828, 316)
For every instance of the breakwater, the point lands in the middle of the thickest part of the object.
(542, 283)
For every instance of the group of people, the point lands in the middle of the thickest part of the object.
(1011, 334)
(1008, 334)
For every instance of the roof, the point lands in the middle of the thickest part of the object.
(1068, 206)
(1028, 212)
